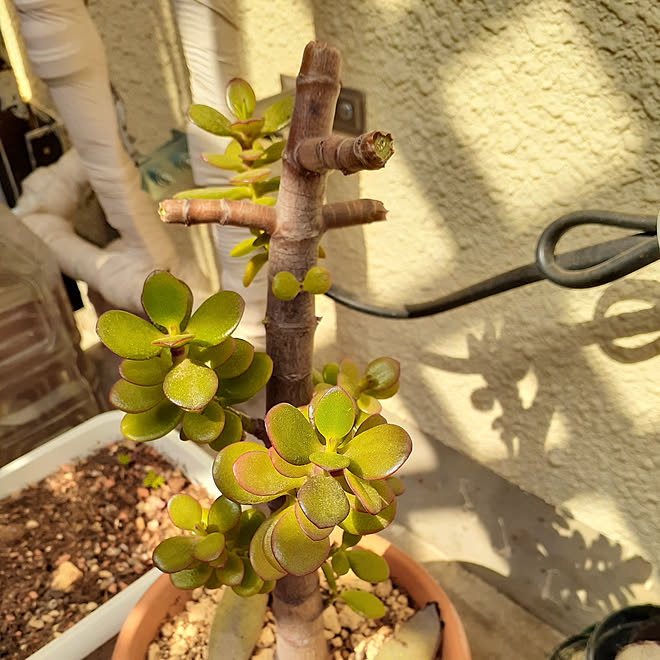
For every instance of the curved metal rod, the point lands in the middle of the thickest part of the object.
(642, 252)
(639, 250)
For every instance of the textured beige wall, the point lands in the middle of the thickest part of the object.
(506, 115)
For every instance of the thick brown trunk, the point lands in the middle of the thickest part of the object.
(290, 325)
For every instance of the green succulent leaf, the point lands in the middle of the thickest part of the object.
(146, 372)
(243, 248)
(382, 374)
(370, 422)
(329, 460)
(251, 519)
(262, 564)
(210, 547)
(250, 176)
(288, 469)
(240, 98)
(386, 393)
(349, 376)
(330, 373)
(293, 549)
(223, 473)
(315, 533)
(155, 423)
(246, 130)
(255, 473)
(249, 156)
(317, 280)
(190, 386)
(167, 301)
(210, 120)
(135, 398)
(285, 286)
(235, 193)
(363, 603)
(378, 452)
(175, 554)
(268, 587)
(368, 404)
(397, 486)
(239, 361)
(367, 565)
(340, 563)
(128, 335)
(244, 387)
(216, 318)
(251, 583)
(374, 495)
(192, 577)
(232, 572)
(272, 153)
(323, 501)
(359, 523)
(223, 515)
(213, 356)
(261, 188)
(265, 201)
(224, 162)
(206, 426)
(172, 341)
(334, 414)
(232, 432)
(292, 435)
(278, 115)
(185, 511)
(253, 267)
(348, 540)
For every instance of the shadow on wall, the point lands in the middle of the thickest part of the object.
(578, 575)
(523, 425)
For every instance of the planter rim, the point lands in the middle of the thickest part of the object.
(105, 622)
(144, 621)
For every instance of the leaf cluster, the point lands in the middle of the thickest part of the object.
(255, 145)
(216, 552)
(285, 286)
(182, 367)
(333, 466)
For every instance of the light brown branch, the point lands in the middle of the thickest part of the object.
(357, 212)
(223, 211)
(369, 151)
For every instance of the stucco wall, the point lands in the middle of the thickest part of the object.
(506, 115)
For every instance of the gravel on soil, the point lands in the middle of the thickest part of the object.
(75, 539)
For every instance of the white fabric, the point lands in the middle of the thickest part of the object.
(67, 53)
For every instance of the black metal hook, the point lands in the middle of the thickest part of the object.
(586, 267)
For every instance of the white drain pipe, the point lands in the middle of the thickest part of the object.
(67, 53)
(211, 46)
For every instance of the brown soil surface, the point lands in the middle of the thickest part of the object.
(94, 523)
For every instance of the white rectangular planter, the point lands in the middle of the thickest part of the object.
(90, 436)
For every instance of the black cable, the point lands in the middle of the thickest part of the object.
(590, 266)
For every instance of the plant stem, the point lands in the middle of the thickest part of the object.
(290, 325)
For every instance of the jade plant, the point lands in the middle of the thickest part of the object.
(318, 471)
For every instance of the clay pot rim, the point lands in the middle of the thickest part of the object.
(144, 621)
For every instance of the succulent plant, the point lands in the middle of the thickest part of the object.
(182, 367)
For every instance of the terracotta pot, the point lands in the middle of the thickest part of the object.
(163, 599)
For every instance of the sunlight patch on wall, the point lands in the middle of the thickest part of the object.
(557, 442)
(539, 71)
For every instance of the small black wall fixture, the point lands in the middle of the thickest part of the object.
(578, 269)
